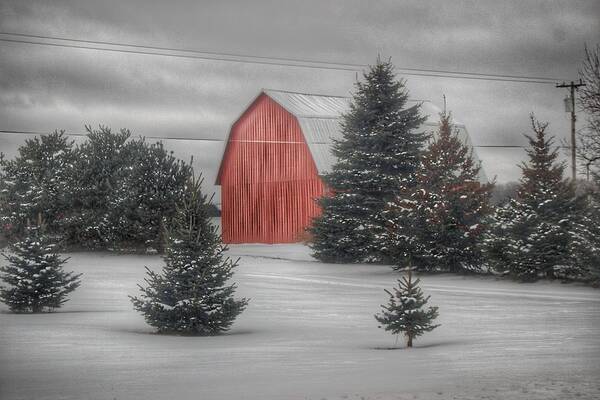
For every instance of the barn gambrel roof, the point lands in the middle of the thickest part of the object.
(319, 117)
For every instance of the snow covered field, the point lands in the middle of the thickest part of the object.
(308, 333)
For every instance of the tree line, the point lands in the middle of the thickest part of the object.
(110, 192)
(413, 199)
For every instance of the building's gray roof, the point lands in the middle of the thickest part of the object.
(304, 105)
(319, 118)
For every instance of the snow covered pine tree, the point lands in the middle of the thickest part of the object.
(585, 243)
(154, 184)
(377, 156)
(530, 237)
(191, 295)
(440, 222)
(37, 181)
(35, 274)
(405, 311)
(97, 192)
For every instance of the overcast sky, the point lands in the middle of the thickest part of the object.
(44, 88)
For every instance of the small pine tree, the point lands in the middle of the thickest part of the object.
(191, 295)
(377, 156)
(442, 223)
(35, 274)
(405, 311)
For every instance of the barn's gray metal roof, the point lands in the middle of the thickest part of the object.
(319, 117)
(304, 105)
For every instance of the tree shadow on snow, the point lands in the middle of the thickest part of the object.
(439, 344)
(150, 332)
(388, 348)
(54, 312)
(418, 346)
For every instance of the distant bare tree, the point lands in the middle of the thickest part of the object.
(588, 150)
(589, 97)
(589, 101)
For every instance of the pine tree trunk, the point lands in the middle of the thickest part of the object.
(162, 236)
(409, 341)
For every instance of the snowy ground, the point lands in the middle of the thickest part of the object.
(308, 333)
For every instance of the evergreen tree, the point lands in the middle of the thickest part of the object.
(585, 244)
(376, 158)
(440, 223)
(37, 181)
(531, 236)
(505, 226)
(35, 275)
(191, 294)
(97, 192)
(119, 196)
(125, 189)
(405, 312)
(149, 193)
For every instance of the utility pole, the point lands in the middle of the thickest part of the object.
(571, 107)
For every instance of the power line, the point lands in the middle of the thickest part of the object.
(181, 49)
(178, 55)
(14, 132)
(300, 60)
(263, 60)
(10, 132)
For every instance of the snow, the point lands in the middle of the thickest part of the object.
(308, 333)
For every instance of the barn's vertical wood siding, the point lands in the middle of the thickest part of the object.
(268, 178)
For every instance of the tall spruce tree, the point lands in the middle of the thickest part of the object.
(439, 225)
(405, 313)
(191, 294)
(376, 158)
(34, 273)
(531, 236)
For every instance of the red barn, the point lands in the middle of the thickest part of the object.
(269, 174)
(271, 167)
